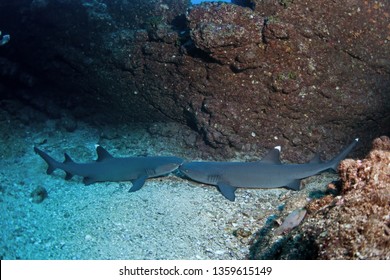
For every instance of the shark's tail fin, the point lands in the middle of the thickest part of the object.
(334, 163)
(51, 162)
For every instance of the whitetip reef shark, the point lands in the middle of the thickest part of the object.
(266, 173)
(109, 168)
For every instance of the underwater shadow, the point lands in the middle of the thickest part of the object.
(292, 246)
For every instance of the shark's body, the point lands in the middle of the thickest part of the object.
(109, 168)
(267, 173)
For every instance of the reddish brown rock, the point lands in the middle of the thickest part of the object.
(308, 87)
(227, 33)
(351, 223)
(357, 224)
(309, 76)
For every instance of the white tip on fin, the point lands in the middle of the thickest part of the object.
(278, 148)
(356, 139)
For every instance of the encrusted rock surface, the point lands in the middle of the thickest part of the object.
(350, 221)
(226, 33)
(358, 226)
(305, 75)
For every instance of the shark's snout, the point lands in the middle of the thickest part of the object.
(185, 168)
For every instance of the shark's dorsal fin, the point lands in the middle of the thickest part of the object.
(273, 156)
(316, 159)
(67, 158)
(102, 154)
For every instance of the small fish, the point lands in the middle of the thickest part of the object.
(291, 221)
(4, 39)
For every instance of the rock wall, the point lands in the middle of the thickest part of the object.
(358, 227)
(309, 76)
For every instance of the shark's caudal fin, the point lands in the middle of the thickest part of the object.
(334, 163)
(51, 162)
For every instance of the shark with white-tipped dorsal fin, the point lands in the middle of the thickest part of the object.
(266, 173)
(109, 168)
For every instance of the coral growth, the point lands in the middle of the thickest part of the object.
(358, 226)
(352, 221)
(38, 195)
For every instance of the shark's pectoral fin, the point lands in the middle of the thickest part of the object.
(294, 185)
(138, 183)
(88, 181)
(227, 190)
(68, 176)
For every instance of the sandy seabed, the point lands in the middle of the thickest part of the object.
(169, 218)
